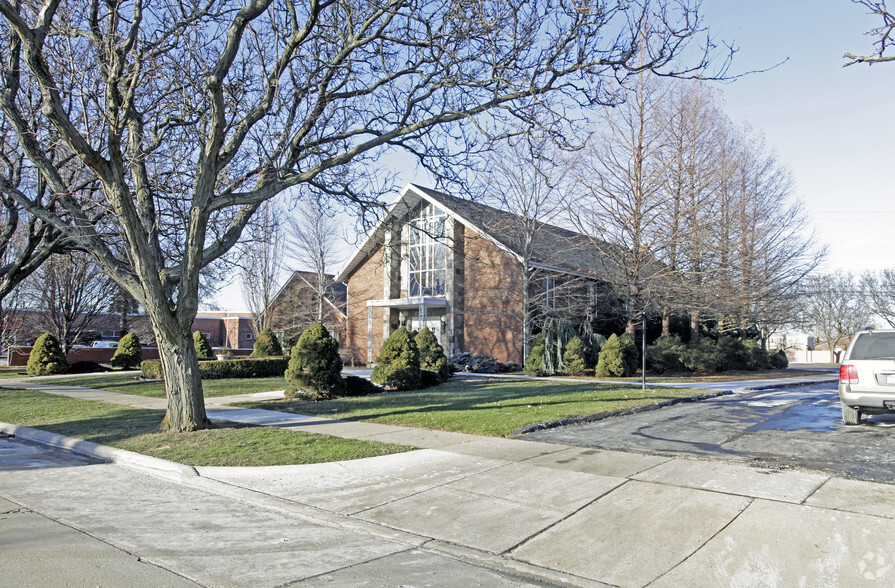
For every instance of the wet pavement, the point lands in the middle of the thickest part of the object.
(787, 428)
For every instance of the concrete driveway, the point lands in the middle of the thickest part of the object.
(799, 427)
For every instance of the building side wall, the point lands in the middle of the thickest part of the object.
(367, 282)
(492, 300)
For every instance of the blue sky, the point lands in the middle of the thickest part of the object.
(833, 126)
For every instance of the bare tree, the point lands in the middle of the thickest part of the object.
(834, 308)
(315, 238)
(882, 33)
(623, 173)
(189, 115)
(525, 176)
(878, 291)
(261, 263)
(71, 292)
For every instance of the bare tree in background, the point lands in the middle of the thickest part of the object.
(878, 290)
(882, 33)
(315, 236)
(188, 115)
(834, 307)
(693, 154)
(71, 292)
(622, 175)
(525, 176)
(261, 263)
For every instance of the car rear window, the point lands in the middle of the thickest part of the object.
(874, 346)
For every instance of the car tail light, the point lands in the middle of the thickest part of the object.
(848, 374)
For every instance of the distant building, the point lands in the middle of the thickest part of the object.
(294, 308)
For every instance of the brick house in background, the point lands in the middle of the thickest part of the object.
(294, 308)
(454, 266)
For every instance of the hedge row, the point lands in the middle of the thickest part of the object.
(230, 368)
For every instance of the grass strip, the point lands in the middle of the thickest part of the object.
(482, 406)
(128, 384)
(226, 444)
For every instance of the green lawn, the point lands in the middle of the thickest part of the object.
(227, 444)
(482, 406)
(15, 371)
(125, 384)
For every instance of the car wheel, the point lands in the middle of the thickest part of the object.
(851, 415)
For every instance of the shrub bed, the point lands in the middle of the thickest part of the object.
(670, 354)
(230, 368)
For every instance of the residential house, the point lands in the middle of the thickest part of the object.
(456, 266)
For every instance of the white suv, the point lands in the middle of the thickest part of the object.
(867, 375)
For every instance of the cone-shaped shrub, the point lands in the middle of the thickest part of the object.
(315, 368)
(432, 357)
(575, 357)
(618, 357)
(267, 345)
(203, 347)
(535, 359)
(398, 364)
(129, 354)
(46, 357)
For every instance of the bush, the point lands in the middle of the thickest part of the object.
(618, 357)
(575, 357)
(535, 359)
(398, 364)
(129, 353)
(203, 347)
(358, 386)
(476, 364)
(315, 368)
(263, 367)
(703, 357)
(432, 357)
(267, 345)
(87, 367)
(664, 355)
(46, 357)
(778, 360)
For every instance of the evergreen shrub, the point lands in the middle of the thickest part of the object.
(432, 360)
(618, 357)
(575, 357)
(315, 368)
(778, 360)
(202, 346)
(250, 367)
(46, 357)
(398, 364)
(129, 354)
(664, 356)
(267, 345)
(535, 358)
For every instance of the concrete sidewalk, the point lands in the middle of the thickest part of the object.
(512, 510)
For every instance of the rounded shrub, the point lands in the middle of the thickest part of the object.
(575, 357)
(778, 360)
(398, 364)
(432, 358)
(315, 368)
(202, 346)
(535, 358)
(267, 345)
(46, 357)
(618, 357)
(129, 354)
(664, 356)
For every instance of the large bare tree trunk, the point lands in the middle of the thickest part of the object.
(183, 385)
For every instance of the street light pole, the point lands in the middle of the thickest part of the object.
(643, 355)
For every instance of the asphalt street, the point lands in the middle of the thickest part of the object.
(798, 427)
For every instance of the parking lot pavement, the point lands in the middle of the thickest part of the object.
(798, 427)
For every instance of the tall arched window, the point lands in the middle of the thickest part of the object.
(426, 251)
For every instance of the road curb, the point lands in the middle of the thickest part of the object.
(137, 461)
(615, 413)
